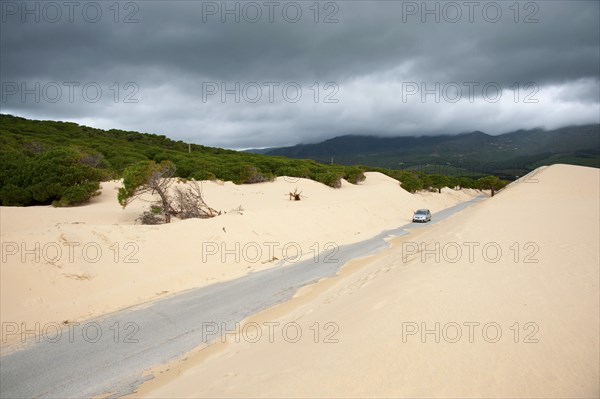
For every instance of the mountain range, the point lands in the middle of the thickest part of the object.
(472, 154)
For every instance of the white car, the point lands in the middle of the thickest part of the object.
(422, 215)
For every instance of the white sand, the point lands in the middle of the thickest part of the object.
(125, 264)
(552, 284)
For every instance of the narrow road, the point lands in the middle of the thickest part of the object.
(108, 354)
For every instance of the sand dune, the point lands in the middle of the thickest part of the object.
(71, 264)
(516, 317)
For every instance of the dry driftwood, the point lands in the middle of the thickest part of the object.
(296, 195)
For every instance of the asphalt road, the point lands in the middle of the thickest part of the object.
(108, 354)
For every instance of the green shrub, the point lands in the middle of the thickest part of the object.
(137, 177)
(354, 175)
(436, 182)
(410, 181)
(465, 182)
(247, 174)
(492, 183)
(61, 176)
(11, 195)
(77, 194)
(332, 179)
(256, 176)
(202, 175)
(293, 171)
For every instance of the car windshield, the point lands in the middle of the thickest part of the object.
(421, 212)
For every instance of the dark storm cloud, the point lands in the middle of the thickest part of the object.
(368, 62)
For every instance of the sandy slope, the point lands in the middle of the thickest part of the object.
(92, 259)
(375, 346)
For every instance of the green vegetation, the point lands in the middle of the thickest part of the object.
(148, 177)
(62, 163)
(492, 183)
(60, 176)
(437, 182)
(136, 178)
(43, 162)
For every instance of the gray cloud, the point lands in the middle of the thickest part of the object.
(539, 66)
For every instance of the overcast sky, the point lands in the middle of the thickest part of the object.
(269, 73)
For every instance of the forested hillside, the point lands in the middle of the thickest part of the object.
(470, 154)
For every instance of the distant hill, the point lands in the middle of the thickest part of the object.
(477, 153)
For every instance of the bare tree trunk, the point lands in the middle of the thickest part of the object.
(165, 205)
